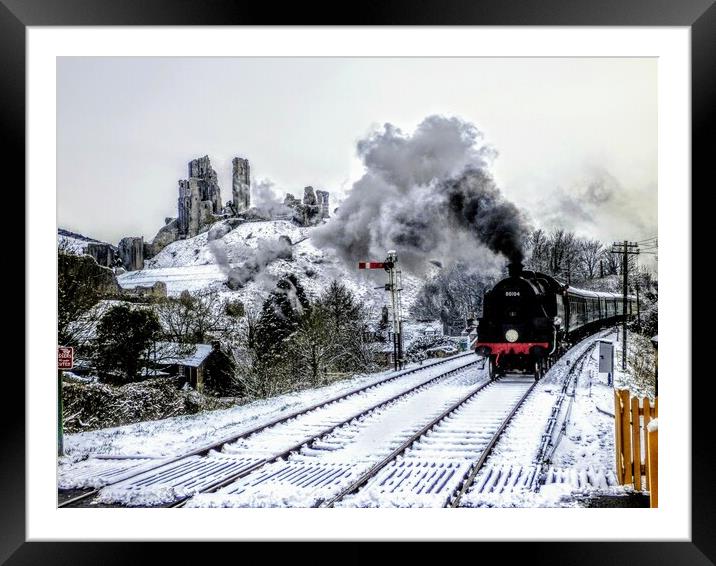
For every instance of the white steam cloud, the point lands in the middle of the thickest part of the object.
(428, 195)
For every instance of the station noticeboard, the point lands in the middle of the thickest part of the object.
(606, 356)
(65, 357)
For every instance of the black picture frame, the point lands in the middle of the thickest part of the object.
(699, 15)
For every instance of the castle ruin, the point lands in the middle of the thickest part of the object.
(102, 253)
(312, 209)
(240, 185)
(199, 206)
(199, 198)
(131, 252)
(322, 198)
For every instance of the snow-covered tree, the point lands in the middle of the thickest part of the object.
(190, 318)
(590, 253)
(452, 296)
(124, 335)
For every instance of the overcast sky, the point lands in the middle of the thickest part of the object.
(576, 137)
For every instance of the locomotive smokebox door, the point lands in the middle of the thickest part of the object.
(606, 357)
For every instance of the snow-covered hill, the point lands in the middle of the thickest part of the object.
(73, 242)
(197, 263)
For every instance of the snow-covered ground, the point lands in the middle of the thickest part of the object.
(581, 463)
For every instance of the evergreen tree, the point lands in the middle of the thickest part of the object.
(340, 306)
(220, 374)
(80, 282)
(123, 335)
(280, 317)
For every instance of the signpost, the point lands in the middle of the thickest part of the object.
(65, 360)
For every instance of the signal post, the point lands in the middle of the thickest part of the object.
(394, 286)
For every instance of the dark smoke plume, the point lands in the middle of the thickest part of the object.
(478, 207)
(430, 197)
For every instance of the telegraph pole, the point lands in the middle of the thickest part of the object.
(625, 248)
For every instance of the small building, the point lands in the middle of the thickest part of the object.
(185, 360)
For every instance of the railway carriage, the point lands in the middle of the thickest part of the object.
(530, 318)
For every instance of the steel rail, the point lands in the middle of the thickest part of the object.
(308, 440)
(548, 445)
(477, 465)
(205, 449)
(370, 473)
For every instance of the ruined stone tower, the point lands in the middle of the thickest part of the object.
(311, 208)
(241, 184)
(131, 252)
(199, 198)
(322, 198)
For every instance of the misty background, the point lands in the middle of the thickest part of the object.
(571, 142)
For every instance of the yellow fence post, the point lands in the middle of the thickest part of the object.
(618, 435)
(626, 437)
(636, 442)
(647, 419)
(653, 456)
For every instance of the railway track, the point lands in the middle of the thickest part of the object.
(430, 469)
(421, 462)
(522, 479)
(318, 457)
(172, 480)
(439, 464)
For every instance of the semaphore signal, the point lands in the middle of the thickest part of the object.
(371, 265)
(394, 286)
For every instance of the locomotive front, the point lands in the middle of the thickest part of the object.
(517, 331)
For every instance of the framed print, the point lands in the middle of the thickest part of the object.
(394, 278)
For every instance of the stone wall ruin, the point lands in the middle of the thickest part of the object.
(102, 253)
(199, 204)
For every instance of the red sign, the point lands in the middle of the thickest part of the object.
(65, 357)
(371, 265)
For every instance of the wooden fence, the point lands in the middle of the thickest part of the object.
(633, 443)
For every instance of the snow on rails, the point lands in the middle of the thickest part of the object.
(436, 436)
(296, 429)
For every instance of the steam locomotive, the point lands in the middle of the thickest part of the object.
(530, 318)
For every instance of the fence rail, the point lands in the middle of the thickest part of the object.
(635, 448)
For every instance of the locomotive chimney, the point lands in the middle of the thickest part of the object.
(515, 269)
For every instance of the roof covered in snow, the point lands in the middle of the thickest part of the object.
(191, 355)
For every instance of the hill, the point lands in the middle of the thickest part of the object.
(206, 260)
(74, 242)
